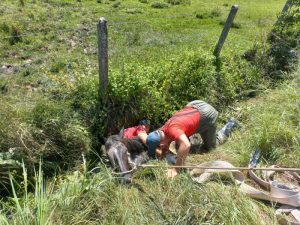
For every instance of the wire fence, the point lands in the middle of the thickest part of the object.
(197, 36)
(125, 37)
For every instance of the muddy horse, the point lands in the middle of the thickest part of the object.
(125, 154)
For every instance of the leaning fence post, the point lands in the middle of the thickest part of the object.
(226, 29)
(286, 6)
(102, 54)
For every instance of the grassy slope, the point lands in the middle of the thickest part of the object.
(152, 199)
(63, 32)
(58, 51)
(59, 39)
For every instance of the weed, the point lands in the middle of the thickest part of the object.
(3, 87)
(22, 3)
(116, 4)
(57, 67)
(4, 27)
(134, 11)
(235, 25)
(179, 2)
(160, 5)
(216, 12)
(15, 35)
(201, 16)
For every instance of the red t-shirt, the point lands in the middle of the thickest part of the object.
(132, 132)
(185, 121)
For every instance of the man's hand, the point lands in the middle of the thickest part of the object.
(171, 173)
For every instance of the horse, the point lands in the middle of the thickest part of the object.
(125, 154)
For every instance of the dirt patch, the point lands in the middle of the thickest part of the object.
(9, 69)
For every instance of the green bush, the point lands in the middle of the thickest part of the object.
(237, 79)
(216, 12)
(157, 91)
(272, 125)
(59, 132)
(134, 11)
(116, 4)
(235, 25)
(281, 54)
(160, 5)
(190, 76)
(49, 131)
(15, 35)
(4, 27)
(179, 2)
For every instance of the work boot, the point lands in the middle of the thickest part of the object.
(225, 132)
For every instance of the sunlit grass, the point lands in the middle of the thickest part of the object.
(271, 124)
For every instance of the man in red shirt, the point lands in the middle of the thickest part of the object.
(196, 117)
(139, 131)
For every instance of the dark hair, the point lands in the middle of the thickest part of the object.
(144, 122)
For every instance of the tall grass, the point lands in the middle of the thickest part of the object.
(151, 199)
(271, 123)
(63, 200)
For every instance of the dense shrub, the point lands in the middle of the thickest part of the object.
(233, 25)
(190, 76)
(157, 91)
(49, 132)
(59, 132)
(284, 38)
(237, 79)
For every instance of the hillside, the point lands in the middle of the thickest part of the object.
(54, 118)
(83, 198)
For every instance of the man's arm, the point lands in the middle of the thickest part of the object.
(183, 151)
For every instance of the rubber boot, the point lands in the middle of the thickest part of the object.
(225, 131)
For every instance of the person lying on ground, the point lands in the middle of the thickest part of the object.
(141, 131)
(196, 117)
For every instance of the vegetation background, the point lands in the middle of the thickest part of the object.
(51, 111)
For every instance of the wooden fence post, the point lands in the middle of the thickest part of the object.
(225, 31)
(284, 10)
(102, 54)
(286, 6)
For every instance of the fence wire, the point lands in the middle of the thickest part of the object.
(84, 39)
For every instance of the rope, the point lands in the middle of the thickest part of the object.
(124, 173)
(222, 168)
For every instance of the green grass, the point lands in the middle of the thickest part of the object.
(58, 30)
(271, 124)
(83, 198)
(49, 106)
(54, 52)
